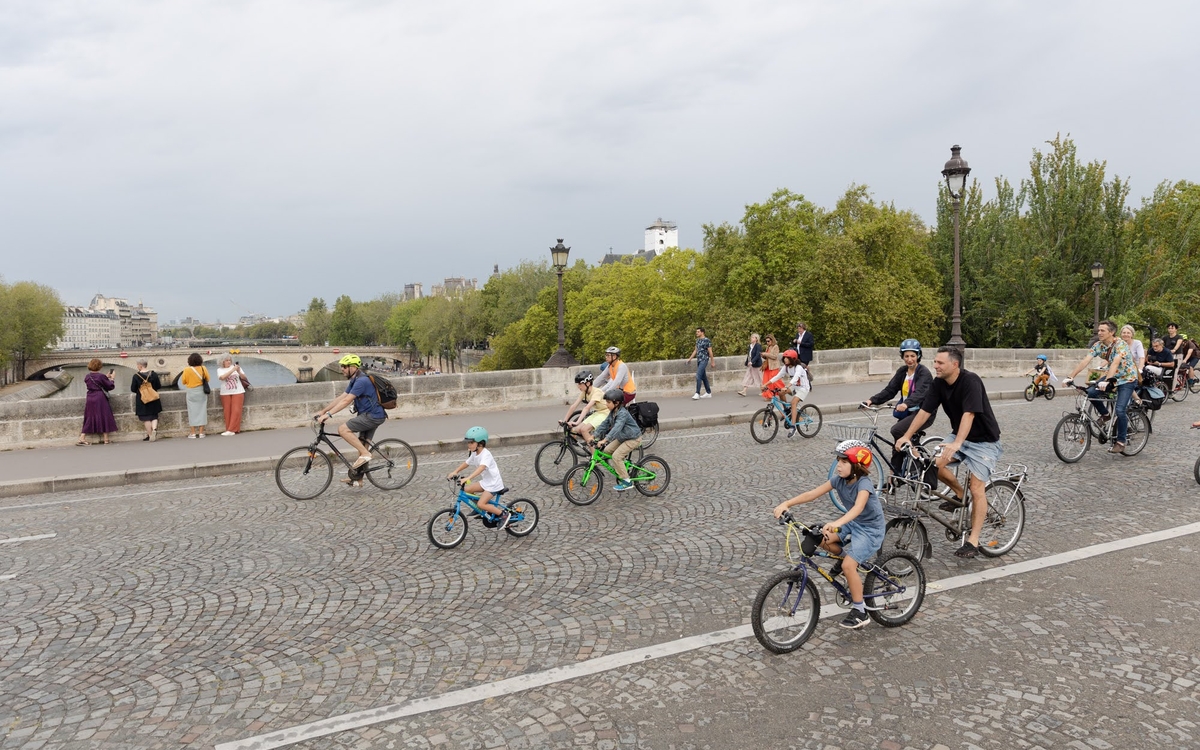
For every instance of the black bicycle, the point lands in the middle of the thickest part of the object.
(305, 472)
(557, 457)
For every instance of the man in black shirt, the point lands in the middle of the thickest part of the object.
(1172, 339)
(974, 437)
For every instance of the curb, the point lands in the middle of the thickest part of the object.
(70, 483)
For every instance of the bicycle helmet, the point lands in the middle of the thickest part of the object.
(1042, 357)
(612, 350)
(791, 354)
(615, 395)
(911, 345)
(584, 376)
(855, 451)
(350, 360)
(476, 435)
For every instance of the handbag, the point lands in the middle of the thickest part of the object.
(203, 381)
(146, 391)
(245, 381)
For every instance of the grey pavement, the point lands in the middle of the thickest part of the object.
(204, 612)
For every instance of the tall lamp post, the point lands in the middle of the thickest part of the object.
(1097, 278)
(956, 172)
(562, 357)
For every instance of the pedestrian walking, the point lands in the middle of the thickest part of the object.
(98, 416)
(233, 394)
(770, 357)
(195, 380)
(147, 410)
(803, 344)
(702, 353)
(753, 364)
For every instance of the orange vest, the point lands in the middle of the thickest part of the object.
(612, 375)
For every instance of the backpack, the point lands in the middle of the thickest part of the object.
(384, 391)
(645, 413)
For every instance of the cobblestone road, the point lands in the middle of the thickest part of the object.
(176, 614)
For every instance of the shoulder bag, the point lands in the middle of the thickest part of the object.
(203, 381)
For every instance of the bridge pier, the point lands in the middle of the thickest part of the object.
(304, 375)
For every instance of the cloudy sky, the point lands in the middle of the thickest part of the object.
(223, 157)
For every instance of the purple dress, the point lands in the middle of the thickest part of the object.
(97, 414)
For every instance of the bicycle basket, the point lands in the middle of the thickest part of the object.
(848, 431)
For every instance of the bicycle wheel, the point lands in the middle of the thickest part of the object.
(785, 612)
(894, 589)
(577, 490)
(553, 461)
(1137, 432)
(1048, 392)
(303, 473)
(649, 435)
(1030, 392)
(524, 517)
(447, 529)
(393, 464)
(1005, 518)
(906, 535)
(808, 420)
(1196, 471)
(662, 476)
(1071, 438)
(1179, 388)
(764, 425)
(1194, 384)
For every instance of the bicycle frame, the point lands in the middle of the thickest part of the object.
(604, 460)
(958, 522)
(807, 563)
(326, 438)
(472, 501)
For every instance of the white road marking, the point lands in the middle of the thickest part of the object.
(14, 540)
(358, 719)
(114, 497)
(689, 437)
(435, 463)
(8, 577)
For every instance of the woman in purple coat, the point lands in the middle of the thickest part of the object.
(97, 414)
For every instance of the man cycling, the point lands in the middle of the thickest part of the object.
(368, 413)
(911, 381)
(1160, 363)
(1120, 369)
(615, 374)
(796, 376)
(1189, 357)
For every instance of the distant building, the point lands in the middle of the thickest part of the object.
(454, 287)
(88, 329)
(412, 292)
(139, 324)
(660, 235)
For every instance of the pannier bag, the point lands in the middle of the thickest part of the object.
(1152, 397)
(645, 413)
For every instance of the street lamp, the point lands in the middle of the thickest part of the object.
(955, 172)
(562, 357)
(1097, 278)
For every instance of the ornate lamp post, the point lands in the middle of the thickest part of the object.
(955, 172)
(1097, 278)
(562, 357)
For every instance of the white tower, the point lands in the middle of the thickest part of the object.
(660, 235)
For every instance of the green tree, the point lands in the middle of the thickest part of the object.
(33, 321)
(508, 295)
(316, 323)
(374, 317)
(345, 325)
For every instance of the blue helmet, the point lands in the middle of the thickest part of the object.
(476, 435)
(1042, 357)
(911, 345)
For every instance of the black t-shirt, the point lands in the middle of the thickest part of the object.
(1164, 356)
(966, 395)
(1169, 342)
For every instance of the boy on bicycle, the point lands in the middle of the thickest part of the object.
(798, 384)
(858, 533)
(621, 430)
(1041, 372)
(486, 471)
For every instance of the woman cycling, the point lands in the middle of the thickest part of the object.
(592, 399)
(911, 381)
(794, 374)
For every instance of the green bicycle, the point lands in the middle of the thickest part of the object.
(584, 482)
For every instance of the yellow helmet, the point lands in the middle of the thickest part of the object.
(350, 359)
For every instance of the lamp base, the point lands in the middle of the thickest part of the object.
(561, 358)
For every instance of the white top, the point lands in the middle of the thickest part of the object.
(230, 382)
(795, 375)
(1137, 350)
(490, 478)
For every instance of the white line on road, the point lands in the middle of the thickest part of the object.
(435, 463)
(346, 722)
(8, 577)
(14, 540)
(114, 497)
(689, 437)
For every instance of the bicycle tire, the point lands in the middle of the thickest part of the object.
(1196, 471)
(808, 420)
(393, 464)
(1194, 385)
(303, 473)
(782, 603)
(1137, 432)
(1072, 438)
(1180, 390)
(887, 604)
(907, 535)
(649, 435)
(579, 493)
(551, 462)
(1048, 392)
(662, 476)
(764, 425)
(447, 529)
(1005, 520)
(1030, 392)
(528, 520)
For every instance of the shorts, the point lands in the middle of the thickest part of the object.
(595, 418)
(798, 392)
(365, 426)
(979, 458)
(864, 541)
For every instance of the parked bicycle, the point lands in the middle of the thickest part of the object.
(557, 457)
(448, 528)
(764, 425)
(788, 606)
(584, 483)
(1035, 389)
(305, 472)
(1074, 432)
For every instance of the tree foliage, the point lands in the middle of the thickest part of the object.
(33, 321)
(316, 323)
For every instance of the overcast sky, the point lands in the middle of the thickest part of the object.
(223, 157)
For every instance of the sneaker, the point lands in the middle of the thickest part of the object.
(351, 482)
(1117, 447)
(791, 431)
(854, 620)
(227, 433)
(361, 461)
(695, 396)
(966, 551)
(191, 436)
(154, 435)
(623, 485)
(504, 519)
(201, 435)
(706, 395)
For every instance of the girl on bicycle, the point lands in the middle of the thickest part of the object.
(486, 471)
(796, 377)
(592, 399)
(858, 533)
(620, 430)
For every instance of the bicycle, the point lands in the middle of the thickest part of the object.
(1035, 389)
(913, 499)
(789, 602)
(584, 482)
(881, 467)
(764, 425)
(1074, 432)
(305, 472)
(555, 458)
(448, 528)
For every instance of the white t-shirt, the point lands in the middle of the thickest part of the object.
(490, 478)
(231, 384)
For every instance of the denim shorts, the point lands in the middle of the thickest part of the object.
(864, 541)
(979, 458)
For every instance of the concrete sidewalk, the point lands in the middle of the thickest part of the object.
(40, 470)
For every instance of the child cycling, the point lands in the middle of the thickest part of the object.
(485, 469)
(860, 529)
(592, 399)
(1041, 372)
(621, 430)
(794, 374)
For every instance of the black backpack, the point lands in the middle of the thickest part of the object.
(384, 391)
(645, 413)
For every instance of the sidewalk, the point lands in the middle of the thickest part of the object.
(40, 470)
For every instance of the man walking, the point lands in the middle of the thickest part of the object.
(702, 353)
(803, 344)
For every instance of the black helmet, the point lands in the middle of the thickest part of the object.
(616, 395)
(584, 376)
(911, 345)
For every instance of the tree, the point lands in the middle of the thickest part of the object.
(316, 323)
(373, 316)
(345, 325)
(33, 321)
(508, 295)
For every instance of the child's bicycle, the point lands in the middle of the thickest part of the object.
(788, 605)
(448, 528)
(555, 458)
(1035, 389)
(764, 425)
(584, 482)
(305, 472)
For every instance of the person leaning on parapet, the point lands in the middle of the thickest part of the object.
(911, 380)
(616, 374)
(368, 414)
(147, 412)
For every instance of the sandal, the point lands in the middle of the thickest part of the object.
(83, 442)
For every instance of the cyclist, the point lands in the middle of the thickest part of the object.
(616, 374)
(368, 414)
(1172, 339)
(858, 533)
(793, 373)
(911, 381)
(595, 408)
(1160, 363)
(1189, 357)
(486, 471)
(1120, 370)
(1041, 371)
(621, 430)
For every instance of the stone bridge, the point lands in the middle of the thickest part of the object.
(303, 361)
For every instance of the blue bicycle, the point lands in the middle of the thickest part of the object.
(764, 425)
(448, 528)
